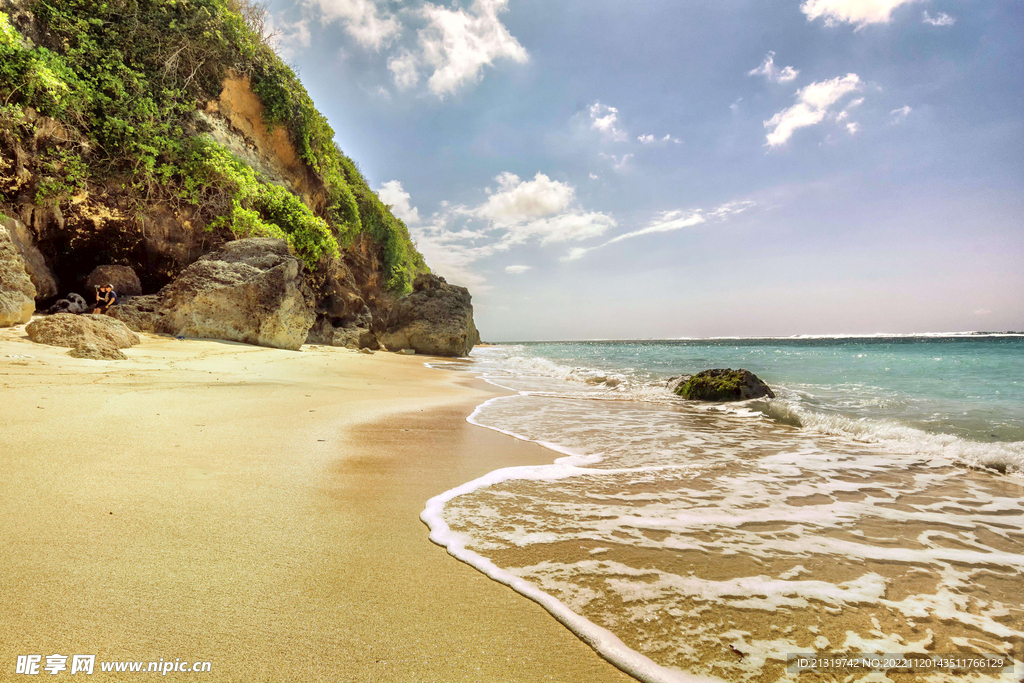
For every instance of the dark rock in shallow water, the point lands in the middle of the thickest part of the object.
(723, 385)
(435, 319)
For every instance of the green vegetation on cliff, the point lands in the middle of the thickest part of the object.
(125, 79)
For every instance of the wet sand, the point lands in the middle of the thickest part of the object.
(257, 509)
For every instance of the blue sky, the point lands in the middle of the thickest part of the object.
(612, 169)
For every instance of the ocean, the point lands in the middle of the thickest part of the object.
(876, 505)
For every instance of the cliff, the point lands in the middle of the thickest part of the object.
(148, 133)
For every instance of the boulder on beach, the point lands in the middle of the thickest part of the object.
(35, 265)
(250, 290)
(123, 278)
(17, 293)
(723, 385)
(435, 319)
(88, 336)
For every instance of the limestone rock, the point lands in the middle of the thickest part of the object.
(124, 279)
(139, 313)
(17, 293)
(723, 385)
(40, 274)
(97, 352)
(66, 329)
(250, 290)
(435, 319)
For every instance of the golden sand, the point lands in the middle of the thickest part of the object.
(257, 509)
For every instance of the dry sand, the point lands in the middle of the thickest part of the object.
(258, 509)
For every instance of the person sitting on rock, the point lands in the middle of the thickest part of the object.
(105, 298)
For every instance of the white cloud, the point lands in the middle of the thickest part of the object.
(286, 38)
(942, 20)
(859, 12)
(517, 270)
(852, 128)
(594, 176)
(983, 311)
(619, 163)
(772, 72)
(517, 212)
(392, 194)
(459, 44)
(604, 119)
(669, 221)
(371, 26)
(518, 201)
(567, 227)
(900, 115)
(650, 139)
(813, 104)
(404, 67)
(539, 208)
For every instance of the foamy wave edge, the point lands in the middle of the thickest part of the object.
(1002, 456)
(603, 641)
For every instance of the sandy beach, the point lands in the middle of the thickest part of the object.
(257, 509)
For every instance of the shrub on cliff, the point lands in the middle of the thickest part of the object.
(124, 79)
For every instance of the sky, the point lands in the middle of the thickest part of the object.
(612, 169)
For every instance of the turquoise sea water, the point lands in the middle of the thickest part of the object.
(875, 505)
(971, 386)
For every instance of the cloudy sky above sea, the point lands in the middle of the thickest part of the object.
(670, 168)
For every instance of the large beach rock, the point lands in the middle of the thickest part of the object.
(88, 336)
(24, 240)
(436, 319)
(17, 293)
(123, 278)
(251, 291)
(723, 385)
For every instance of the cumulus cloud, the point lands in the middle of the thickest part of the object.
(371, 25)
(813, 104)
(669, 221)
(393, 194)
(852, 128)
(518, 211)
(942, 20)
(404, 68)
(518, 201)
(774, 73)
(901, 114)
(517, 270)
(458, 43)
(858, 12)
(604, 119)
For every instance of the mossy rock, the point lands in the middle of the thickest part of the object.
(723, 385)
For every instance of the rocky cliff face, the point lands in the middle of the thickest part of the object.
(91, 181)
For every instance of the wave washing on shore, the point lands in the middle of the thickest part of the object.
(694, 542)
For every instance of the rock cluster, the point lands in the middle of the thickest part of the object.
(250, 290)
(88, 336)
(723, 385)
(435, 319)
